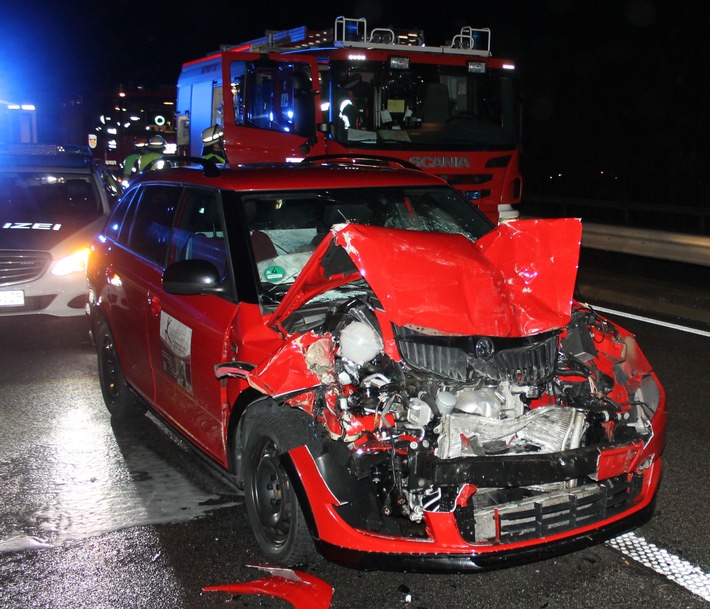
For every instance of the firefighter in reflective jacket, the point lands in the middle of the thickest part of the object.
(130, 163)
(156, 146)
(213, 144)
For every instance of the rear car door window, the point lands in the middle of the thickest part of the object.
(150, 233)
(119, 218)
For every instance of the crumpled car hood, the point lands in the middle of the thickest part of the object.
(517, 280)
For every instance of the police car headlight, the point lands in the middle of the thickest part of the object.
(74, 263)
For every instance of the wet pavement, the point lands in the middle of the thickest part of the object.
(68, 474)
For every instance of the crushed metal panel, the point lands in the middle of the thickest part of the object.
(515, 281)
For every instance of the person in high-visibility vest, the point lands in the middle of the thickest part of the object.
(213, 145)
(156, 146)
(130, 163)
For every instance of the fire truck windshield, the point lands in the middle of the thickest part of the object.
(426, 106)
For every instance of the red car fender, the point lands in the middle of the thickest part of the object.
(286, 371)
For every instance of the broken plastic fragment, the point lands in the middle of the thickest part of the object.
(302, 590)
(407, 596)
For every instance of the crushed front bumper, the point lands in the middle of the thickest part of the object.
(447, 547)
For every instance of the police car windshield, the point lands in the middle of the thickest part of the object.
(37, 192)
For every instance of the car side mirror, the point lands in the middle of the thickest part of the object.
(191, 277)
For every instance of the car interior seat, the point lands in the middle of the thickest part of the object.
(436, 105)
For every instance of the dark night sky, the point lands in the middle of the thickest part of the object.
(618, 85)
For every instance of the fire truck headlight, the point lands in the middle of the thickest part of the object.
(399, 63)
(476, 67)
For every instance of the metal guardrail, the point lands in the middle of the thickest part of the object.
(660, 244)
(679, 218)
(693, 249)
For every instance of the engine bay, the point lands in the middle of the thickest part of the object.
(444, 423)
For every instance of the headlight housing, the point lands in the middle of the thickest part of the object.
(74, 263)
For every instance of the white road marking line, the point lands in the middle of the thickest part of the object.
(676, 569)
(650, 320)
(634, 546)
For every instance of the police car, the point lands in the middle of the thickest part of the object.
(53, 201)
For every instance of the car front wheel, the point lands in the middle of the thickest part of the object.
(272, 506)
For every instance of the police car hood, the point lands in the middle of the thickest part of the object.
(517, 280)
(23, 230)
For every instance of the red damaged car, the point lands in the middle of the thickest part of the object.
(391, 380)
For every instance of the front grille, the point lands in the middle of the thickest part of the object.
(20, 267)
(522, 361)
(550, 513)
(523, 365)
(442, 360)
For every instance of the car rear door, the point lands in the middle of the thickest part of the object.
(133, 264)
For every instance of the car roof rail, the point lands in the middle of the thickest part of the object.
(360, 160)
(209, 167)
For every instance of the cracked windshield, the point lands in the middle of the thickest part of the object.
(285, 228)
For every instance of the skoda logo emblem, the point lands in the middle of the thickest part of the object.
(484, 348)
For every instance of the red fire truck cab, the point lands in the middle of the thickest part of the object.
(449, 110)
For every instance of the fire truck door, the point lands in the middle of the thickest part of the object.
(270, 107)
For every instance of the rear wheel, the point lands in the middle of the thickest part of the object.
(272, 506)
(121, 402)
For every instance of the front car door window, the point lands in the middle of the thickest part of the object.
(199, 233)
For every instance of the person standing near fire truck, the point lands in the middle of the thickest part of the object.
(130, 163)
(212, 144)
(156, 147)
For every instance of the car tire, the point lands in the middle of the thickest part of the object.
(272, 505)
(120, 400)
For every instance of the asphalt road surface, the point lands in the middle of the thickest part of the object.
(94, 516)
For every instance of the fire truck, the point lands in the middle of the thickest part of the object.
(450, 110)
